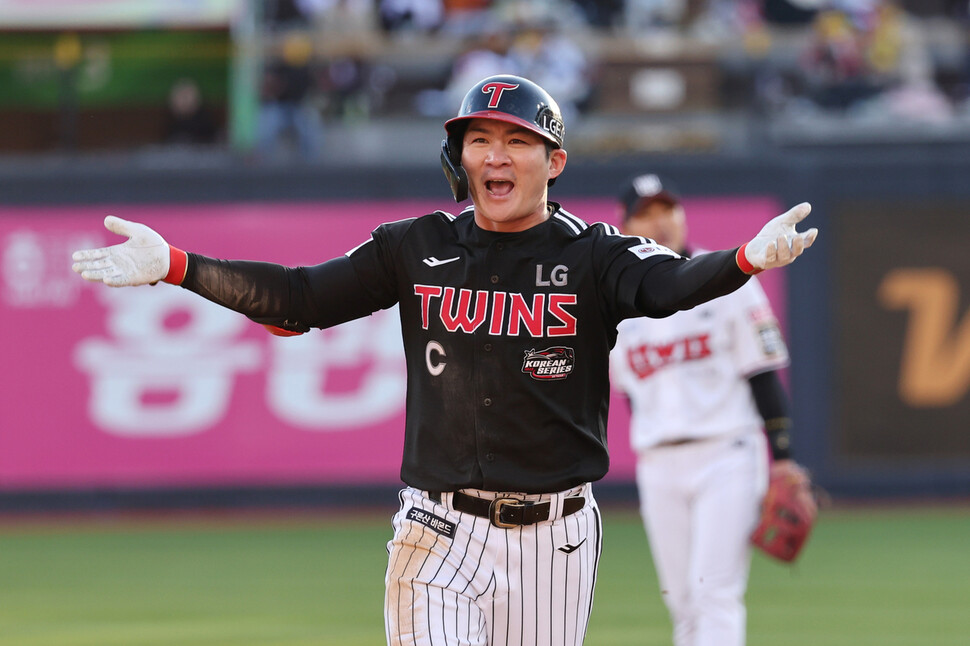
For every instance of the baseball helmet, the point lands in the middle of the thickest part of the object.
(644, 189)
(503, 97)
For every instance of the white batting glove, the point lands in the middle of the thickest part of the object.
(143, 259)
(778, 244)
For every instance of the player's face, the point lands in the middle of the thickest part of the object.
(663, 222)
(508, 169)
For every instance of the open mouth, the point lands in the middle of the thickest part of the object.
(499, 187)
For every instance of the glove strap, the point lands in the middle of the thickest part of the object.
(743, 263)
(779, 438)
(177, 266)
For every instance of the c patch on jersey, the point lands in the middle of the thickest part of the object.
(435, 523)
(644, 251)
(552, 363)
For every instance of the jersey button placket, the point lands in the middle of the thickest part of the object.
(487, 349)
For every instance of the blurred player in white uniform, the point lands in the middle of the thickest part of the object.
(706, 405)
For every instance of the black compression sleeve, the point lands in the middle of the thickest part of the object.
(678, 284)
(292, 298)
(772, 402)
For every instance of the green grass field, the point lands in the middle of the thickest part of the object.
(886, 577)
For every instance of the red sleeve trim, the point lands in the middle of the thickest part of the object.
(743, 263)
(177, 266)
(278, 331)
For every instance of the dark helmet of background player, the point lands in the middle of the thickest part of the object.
(644, 189)
(504, 97)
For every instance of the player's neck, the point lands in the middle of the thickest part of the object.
(498, 224)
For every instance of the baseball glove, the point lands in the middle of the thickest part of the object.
(788, 512)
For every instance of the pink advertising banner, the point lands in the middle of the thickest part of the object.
(155, 386)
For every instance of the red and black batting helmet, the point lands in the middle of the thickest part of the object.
(504, 97)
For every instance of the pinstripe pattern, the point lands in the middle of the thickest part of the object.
(489, 586)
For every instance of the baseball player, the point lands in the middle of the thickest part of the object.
(508, 312)
(703, 384)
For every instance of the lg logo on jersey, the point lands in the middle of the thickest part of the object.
(557, 276)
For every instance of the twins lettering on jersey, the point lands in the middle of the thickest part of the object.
(648, 358)
(464, 310)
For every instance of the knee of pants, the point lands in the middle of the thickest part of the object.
(420, 614)
(717, 602)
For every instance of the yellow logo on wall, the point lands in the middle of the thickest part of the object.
(935, 368)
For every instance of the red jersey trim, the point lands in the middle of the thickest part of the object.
(178, 265)
(743, 263)
(278, 331)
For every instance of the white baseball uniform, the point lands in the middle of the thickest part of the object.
(489, 586)
(702, 455)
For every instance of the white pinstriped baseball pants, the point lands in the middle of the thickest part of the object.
(454, 579)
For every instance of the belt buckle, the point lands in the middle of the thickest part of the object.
(495, 511)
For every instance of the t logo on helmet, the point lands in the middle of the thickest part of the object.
(496, 89)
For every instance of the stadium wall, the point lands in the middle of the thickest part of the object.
(874, 314)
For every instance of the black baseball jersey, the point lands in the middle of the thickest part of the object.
(507, 336)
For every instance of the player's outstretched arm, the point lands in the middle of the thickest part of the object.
(288, 300)
(145, 258)
(778, 243)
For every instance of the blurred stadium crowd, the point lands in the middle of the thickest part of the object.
(711, 74)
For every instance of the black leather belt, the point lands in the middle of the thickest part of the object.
(508, 512)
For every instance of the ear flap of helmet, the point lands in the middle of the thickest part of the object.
(451, 165)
